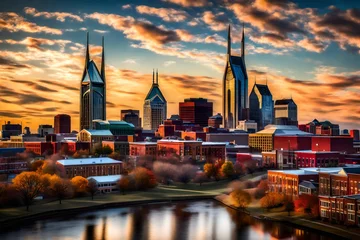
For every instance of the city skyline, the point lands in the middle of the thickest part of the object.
(42, 50)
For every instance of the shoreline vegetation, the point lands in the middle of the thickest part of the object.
(11, 217)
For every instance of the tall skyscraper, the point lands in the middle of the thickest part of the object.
(235, 86)
(285, 112)
(261, 105)
(196, 110)
(92, 91)
(131, 116)
(62, 123)
(155, 106)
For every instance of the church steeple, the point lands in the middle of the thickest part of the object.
(229, 41)
(243, 44)
(103, 60)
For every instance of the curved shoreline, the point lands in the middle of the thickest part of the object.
(56, 213)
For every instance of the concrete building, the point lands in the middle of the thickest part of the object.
(140, 149)
(94, 136)
(87, 167)
(196, 111)
(106, 184)
(45, 129)
(261, 105)
(249, 126)
(215, 121)
(155, 106)
(62, 123)
(285, 112)
(321, 128)
(131, 116)
(263, 141)
(117, 128)
(235, 86)
(120, 147)
(92, 90)
(9, 129)
(239, 138)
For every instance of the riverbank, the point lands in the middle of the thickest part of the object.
(296, 220)
(177, 192)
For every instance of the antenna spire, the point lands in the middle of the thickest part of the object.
(243, 43)
(103, 60)
(157, 77)
(229, 41)
(153, 76)
(87, 58)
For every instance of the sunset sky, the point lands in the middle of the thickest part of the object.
(308, 51)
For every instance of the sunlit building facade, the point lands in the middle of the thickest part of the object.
(235, 86)
(92, 91)
(261, 105)
(155, 106)
(285, 111)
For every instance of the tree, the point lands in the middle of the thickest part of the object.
(200, 178)
(59, 187)
(307, 203)
(289, 206)
(30, 185)
(35, 165)
(261, 189)
(144, 178)
(210, 170)
(125, 184)
(51, 167)
(81, 154)
(240, 198)
(271, 200)
(227, 169)
(186, 173)
(102, 150)
(92, 187)
(79, 184)
(165, 172)
(238, 168)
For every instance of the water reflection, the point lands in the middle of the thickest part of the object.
(183, 220)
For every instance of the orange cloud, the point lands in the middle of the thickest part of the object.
(13, 22)
(189, 3)
(216, 22)
(60, 16)
(167, 14)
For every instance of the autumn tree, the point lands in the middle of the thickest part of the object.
(60, 188)
(165, 172)
(200, 178)
(51, 167)
(227, 169)
(307, 203)
(36, 164)
(238, 168)
(261, 189)
(102, 150)
(240, 198)
(144, 178)
(210, 170)
(92, 187)
(271, 200)
(186, 172)
(81, 154)
(125, 184)
(79, 184)
(29, 185)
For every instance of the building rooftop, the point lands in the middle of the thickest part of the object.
(284, 101)
(263, 89)
(214, 143)
(309, 171)
(99, 132)
(178, 140)
(317, 152)
(282, 130)
(105, 179)
(309, 184)
(143, 143)
(87, 161)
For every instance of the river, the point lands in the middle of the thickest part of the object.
(193, 220)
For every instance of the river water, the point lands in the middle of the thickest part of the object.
(193, 220)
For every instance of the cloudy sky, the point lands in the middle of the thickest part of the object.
(308, 51)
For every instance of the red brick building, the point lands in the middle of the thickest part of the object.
(308, 158)
(354, 133)
(41, 148)
(343, 144)
(196, 111)
(87, 167)
(72, 147)
(166, 129)
(292, 142)
(192, 135)
(62, 123)
(137, 149)
(182, 148)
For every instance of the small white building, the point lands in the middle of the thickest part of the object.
(106, 184)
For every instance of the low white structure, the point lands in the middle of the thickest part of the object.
(106, 184)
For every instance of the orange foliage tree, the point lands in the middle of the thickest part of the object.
(144, 178)
(29, 185)
(60, 188)
(240, 198)
(125, 184)
(271, 200)
(79, 184)
(307, 203)
(227, 169)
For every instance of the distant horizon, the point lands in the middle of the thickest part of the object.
(307, 51)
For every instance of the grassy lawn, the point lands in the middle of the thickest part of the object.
(161, 193)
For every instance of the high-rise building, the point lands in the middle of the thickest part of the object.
(131, 116)
(92, 91)
(261, 105)
(285, 112)
(196, 111)
(155, 106)
(235, 86)
(354, 133)
(249, 126)
(215, 121)
(62, 123)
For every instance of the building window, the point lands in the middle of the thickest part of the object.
(351, 206)
(351, 217)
